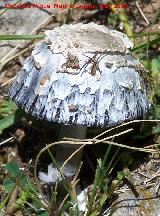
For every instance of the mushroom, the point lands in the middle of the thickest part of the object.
(81, 75)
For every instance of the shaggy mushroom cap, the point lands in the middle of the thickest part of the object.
(82, 74)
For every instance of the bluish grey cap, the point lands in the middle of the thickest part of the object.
(82, 74)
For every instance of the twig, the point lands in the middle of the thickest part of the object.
(113, 136)
(141, 174)
(127, 123)
(7, 82)
(152, 146)
(142, 14)
(64, 200)
(130, 147)
(7, 140)
(11, 207)
(35, 168)
(95, 138)
(157, 188)
(68, 159)
(151, 179)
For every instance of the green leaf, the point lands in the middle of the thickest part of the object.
(11, 119)
(23, 196)
(23, 180)
(42, 213)
(103, 199)
(12, 168)
(121, 175)
(8, 184)
(7, 107)
(156, 64)
(156, 129)
(157, 107)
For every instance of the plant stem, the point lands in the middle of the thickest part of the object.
(21, 37)
(127, 27)
(7, 197)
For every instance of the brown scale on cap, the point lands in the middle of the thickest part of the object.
(44, 79)
(72, 108)
(94, 63)
(72, 62)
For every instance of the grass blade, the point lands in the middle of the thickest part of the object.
(146, 44)
(21, 37)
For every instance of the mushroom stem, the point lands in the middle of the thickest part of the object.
(64, 151)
